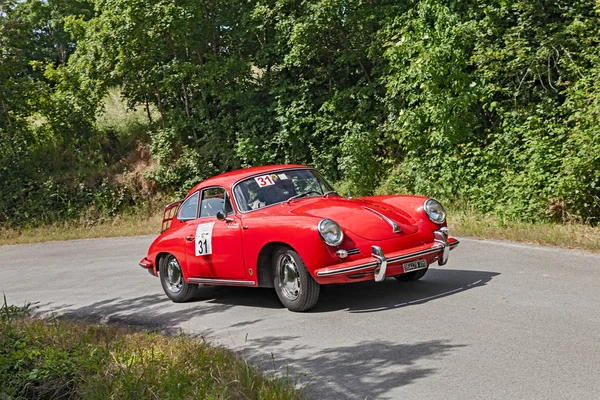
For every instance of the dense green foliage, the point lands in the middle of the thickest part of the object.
(61, 359)
(490, 104)
(52, 155)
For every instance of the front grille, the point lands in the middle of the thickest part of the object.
(352, 252)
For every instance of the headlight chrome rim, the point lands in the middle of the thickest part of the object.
(321, 228)
(435, 211)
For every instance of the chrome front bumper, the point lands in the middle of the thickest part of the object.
(441, 245)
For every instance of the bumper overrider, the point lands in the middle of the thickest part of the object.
(147, 265)
(379, 263)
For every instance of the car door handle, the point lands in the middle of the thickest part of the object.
(189, 238)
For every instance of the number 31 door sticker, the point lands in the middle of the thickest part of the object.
(204, 239)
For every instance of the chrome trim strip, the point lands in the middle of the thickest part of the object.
(347, 269)
(454, 244)
(434, 249)
(352, 252)
(393, 224)
(210, 281)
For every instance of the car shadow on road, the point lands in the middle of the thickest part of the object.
(234, 296)
(372, 296)
(362, 296)
(369, 369)
(155, 312)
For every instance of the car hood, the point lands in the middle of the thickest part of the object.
(368, 219)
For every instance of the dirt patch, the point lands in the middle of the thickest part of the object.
(137, 169)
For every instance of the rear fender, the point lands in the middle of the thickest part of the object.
(169, 214)
(169, 242)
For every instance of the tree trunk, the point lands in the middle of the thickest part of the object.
(6, 112)
(148, 109)
(186, 99)
(160, 108)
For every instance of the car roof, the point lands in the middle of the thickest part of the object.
(227, 179)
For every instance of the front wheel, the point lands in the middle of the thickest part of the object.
(412, 276)
(171, 279)
(295, 287)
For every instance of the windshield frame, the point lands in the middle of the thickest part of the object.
(316, 173)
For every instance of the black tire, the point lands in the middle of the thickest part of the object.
(295, 287)
(171, 279)
(412, 276)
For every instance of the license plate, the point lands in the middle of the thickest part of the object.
(414, 265)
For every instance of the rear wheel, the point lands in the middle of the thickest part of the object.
(171, 278)
(412, 276)
(295, 287)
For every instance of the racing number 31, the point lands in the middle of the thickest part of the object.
(264, 180)
(204, 239)
(202, 246)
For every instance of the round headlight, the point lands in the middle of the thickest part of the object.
(435, 211)
(330, 232)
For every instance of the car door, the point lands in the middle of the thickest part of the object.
(214, 248)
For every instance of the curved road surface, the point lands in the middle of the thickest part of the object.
(499, 321)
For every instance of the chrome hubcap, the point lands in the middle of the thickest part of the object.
(174, 276)
(289, 278)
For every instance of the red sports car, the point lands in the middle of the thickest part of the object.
(284, 226)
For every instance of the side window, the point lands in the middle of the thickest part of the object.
(213, 201)
(189, 208)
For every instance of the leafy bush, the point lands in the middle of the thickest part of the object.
(493, 104)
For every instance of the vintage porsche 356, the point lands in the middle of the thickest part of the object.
(284, 226)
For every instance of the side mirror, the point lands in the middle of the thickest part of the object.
(222, 217)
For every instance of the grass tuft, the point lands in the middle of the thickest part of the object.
(54, 358)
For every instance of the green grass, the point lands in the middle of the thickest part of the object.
(54, 358)
(118, 116)
(125, 225)
(572, 236)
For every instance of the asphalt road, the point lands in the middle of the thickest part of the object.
(499, 321)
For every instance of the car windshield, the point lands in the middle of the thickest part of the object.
(279, 186)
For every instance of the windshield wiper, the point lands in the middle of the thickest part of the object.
(302, 195)
(330, 193)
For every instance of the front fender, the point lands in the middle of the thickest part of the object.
(298, 232)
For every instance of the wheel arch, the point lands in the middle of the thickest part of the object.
(159, 257)
(264, 270)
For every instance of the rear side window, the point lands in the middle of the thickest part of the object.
(189, 208)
